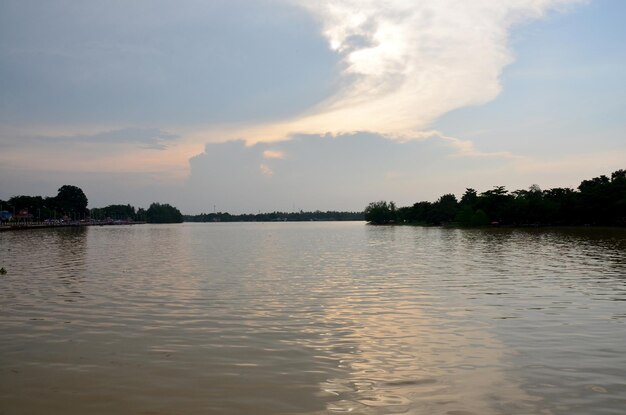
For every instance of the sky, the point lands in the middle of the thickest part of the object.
(263, 105)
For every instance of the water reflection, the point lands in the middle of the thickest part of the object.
(312, 318)
(71, 255)
(406, 348)
(398, 359)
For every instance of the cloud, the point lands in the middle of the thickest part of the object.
(342, 172)
(260, 70)
(144, 151)
(273, 154)
(147, 138)
(467, 148)
(406, 63)
(345, 171)
(314, 91)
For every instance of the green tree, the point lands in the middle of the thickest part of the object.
(120, 212)
(470, 217)
(469, 198)
(71, 200)
(163, 213)
(141, 215)
(479, 218)
(420, 212)
(618, 196)
(560, 207)
(528, 206)
(496, 204)
(380, 213)
(443, 210)
(598, 201)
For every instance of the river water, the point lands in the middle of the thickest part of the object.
(312, 318)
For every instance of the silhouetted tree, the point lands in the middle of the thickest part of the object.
(469, 198)
(443, 210)
(141, 215)
(276, 216)
(380, 213)
(496, 204)
(71, 200)
(560, 207)
(598, 201)
(119, 212)
(163, 213)
(618, 197)
(527, 206)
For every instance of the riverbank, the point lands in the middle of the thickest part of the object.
(73, 224)
(455, 225)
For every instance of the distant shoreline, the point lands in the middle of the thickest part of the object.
(30, 226)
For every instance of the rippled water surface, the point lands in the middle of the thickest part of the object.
(312, 318)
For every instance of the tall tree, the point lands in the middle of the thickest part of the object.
(71, 200)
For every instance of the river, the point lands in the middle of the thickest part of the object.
(312, 318)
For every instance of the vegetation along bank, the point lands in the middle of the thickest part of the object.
(600, 201)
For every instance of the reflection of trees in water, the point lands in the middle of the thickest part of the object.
(70, 249)
(562, 289)
(45, 252)
(586, 250)
(311, 318)
(540, 291)
(37, 257)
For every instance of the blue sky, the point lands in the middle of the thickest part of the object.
(567, 80)
(270, 105)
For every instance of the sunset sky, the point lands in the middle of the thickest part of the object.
(264, 105)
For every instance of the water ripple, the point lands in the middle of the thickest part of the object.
(315, 318)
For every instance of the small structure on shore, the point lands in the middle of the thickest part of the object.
(23, 216)
(5, 216)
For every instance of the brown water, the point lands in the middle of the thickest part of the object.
(312, 318)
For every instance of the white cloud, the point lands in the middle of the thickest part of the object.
(273, 154)
(405, 63)
(466, 148)
(402, 64)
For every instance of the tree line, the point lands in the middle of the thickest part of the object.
(600, 201)
(70, 203)
(156, 213)
(300, 216)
